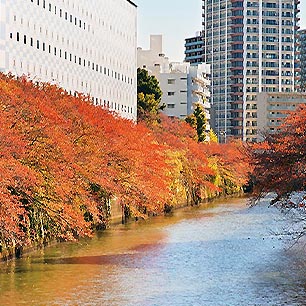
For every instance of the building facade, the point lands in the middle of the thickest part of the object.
(194, 47)
(153, 59)
(86, 46)
(302, 41)
(273, 108)
(251, 46)
(183, 85)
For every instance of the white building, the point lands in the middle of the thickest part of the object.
(86, 46)
(153, 59)
(182, 85)
(174, 85)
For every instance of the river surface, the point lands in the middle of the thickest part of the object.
(221, 254)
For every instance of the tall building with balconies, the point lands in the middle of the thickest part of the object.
(252, 48)
(194, 49)
(302, 41)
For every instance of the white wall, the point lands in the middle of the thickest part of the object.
(154, 60)
(174, 87)
(98, 35)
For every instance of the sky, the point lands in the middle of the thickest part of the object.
(303, 14)
(175, 20)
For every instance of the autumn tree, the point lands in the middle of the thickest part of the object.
(280, 160)
(189, 170)
(65, 162)
(230, 164)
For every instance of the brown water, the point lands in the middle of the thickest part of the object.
(223, 254)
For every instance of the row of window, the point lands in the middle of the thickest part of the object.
(62, 14)
(172, 93)
(71, 82)
(199, 46)
(112, 105)
(171, 105)
(70, 57)
(76, 21)
(69, 42)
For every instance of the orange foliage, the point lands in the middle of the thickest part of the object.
(280, 160)
(197, 173)
(62, 161)
(54, 146)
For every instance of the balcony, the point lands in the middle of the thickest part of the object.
(200, 81)
(205, 93)
(277, 116)
(281, 108)
(194, 43)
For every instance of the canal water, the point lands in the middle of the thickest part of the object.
(221, 254)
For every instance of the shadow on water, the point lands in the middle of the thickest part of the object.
(127, 258)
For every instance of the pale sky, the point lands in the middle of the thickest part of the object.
(175, 20)
(303, 14)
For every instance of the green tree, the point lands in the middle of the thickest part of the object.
(198, 121)
(148, 96)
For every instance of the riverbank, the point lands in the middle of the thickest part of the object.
(117, 218)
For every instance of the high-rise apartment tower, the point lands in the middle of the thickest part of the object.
(194, 49)
(302, 41)
(252, 48)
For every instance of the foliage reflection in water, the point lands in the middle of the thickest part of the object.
(224, 254)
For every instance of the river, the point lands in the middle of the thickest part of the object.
(221, 254)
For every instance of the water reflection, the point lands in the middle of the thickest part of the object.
(225, 254)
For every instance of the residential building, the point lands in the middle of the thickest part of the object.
(174, 85)
(274, 107)
(183, 85)
(302, 41)
(251, 46)
(82, 45)
(194, 47)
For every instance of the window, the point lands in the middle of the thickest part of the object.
(171, 81)
(171, 93)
